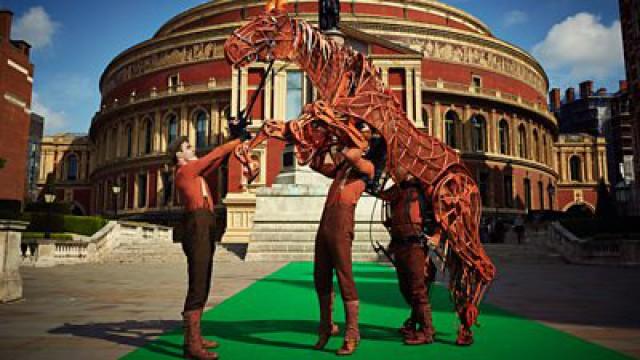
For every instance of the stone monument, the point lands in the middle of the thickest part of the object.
(10, 279)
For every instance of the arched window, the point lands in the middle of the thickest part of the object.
(72, 167)
(148, 136)
(172, 128)
(522, 142)
(201, 129)
(478, 133)
(503, 129)
(544, 149)
(129, 141)
(535, 145)
(450, 121)
(576, 168)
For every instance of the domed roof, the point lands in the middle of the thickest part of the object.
(228, 11)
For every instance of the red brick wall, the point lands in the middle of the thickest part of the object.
(433, 70)
(14, 121)
(189, 74)
(151, 189)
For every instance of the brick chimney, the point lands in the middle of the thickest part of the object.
(6, 17)
(624, 85)
(570, 95)
(586, 89)
(554, 99)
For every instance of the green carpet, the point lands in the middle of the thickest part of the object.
(276, 318)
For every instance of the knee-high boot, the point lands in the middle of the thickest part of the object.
(193, 348)
(327, 328)
(352, 332)
(425, 332)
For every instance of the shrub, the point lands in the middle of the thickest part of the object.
(40, 235)
(83, 225)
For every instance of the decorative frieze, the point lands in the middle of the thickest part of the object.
(446, 50)
(181, 55)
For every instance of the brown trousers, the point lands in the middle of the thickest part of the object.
(199, 246)
(414, 284)
(333, 251)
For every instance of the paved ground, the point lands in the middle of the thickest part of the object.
(105, 311)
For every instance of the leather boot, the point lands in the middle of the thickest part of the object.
(408, 326)
(465, 336)
(193, 339)
(425, 332)
(327, 328)
(352, 333)
(207, 344)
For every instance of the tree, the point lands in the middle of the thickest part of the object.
(605, 208)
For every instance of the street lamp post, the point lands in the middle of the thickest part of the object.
(116, 190)
(49, 198)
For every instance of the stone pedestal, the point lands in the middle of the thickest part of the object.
(10, 279)
(288, 214)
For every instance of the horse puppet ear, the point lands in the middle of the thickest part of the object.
(275, 5)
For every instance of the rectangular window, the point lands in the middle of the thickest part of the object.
(173, 81)
(142, 190)
(476, 81)
(294, 94)
(508, 191)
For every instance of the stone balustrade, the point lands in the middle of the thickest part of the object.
(47, 252)
(614, 251)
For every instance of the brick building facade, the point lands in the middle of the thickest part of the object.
(16, 82)
(456, 80)
(630, 23)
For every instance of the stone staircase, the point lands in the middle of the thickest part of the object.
(532, 251)
(136, 253)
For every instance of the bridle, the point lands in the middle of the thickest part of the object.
(243, 116)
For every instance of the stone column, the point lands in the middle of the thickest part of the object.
(492, 129)
(10, 279)
(435, 122)
(417, 93)
(157, 133)
(408, 91)
(590, 165)
(465, 139)
(135, 136)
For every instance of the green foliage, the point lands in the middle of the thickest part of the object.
(83, 225)
(40, 235)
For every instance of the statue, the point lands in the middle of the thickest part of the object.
(328, 14)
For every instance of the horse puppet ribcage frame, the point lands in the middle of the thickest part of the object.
(350, 90)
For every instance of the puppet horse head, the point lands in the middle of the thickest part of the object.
(267, 37)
